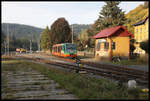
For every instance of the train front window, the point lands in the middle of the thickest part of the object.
(70, 46)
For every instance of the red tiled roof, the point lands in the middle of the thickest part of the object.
(111, 31)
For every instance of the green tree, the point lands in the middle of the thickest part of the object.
(136, 15)
(83, 39)
(60, 31)
(12, 43)
(45, 39)
(146, 4)
(111, 15)
(132, 47)
(3, 38)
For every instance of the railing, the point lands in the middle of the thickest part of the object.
(85, 53)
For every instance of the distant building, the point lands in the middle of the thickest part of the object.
(112, 42)
(141, 33)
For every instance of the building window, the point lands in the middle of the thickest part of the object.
(98, 46)
(145, 29)
(137, 30)
(141, 30)
(144, 36)
(106, 45)
(141, 36)
(113, 45)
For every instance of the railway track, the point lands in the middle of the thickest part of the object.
(121, 74)
(120, 70)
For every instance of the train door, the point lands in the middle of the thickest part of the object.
(59, 50)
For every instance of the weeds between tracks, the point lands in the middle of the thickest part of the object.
(81, 85)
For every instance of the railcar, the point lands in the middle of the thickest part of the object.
(23, 50)
(20, 50)
(67, 50)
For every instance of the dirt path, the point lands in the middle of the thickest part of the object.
(30, 84)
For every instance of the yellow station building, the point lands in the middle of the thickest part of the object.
(141, 33)
(112, 42)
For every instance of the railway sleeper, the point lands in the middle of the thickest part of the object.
(116, 73)
(127, 73)
(115, 68)
(110, 74)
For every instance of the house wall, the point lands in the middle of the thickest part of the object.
(141, 33)
(102, 52)
(121, 48)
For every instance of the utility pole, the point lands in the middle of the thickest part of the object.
(30, 46)
(72, 33)
(39, 46)
(5, 44)
(8, 39)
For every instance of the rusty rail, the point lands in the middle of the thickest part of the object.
(117, 73)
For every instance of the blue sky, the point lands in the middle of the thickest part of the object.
(42, 14)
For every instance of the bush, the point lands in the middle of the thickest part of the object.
(135, 92)
(134, 55)
(132, 47)
(144, 45)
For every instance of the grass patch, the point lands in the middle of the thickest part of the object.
(83, 57)
(83, 86)
(132, 62)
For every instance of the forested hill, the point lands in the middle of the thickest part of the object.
(137, 14)
(21, 31)
(26, 31)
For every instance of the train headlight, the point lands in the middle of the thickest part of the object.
(81, 65)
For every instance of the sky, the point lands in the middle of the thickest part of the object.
(42, 14)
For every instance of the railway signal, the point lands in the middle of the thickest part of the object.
(8, 39)
(79, 66)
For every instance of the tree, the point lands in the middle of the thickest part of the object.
(132, 47)
(145, 46)
(60, 31)
(146, 4)
(83, 39)
(111, 15)
(12, 43)
(136, 15)
(3, 38)
(45, 39)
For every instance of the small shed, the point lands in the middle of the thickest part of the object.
(113, 42)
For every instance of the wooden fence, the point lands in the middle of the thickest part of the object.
(85, 53)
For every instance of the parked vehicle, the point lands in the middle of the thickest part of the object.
(20, 50)
(65, 50)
